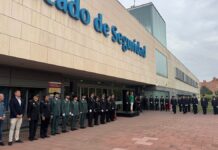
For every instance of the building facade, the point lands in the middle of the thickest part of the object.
(84, 46)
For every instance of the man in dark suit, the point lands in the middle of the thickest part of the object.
(195, 104)
(156, 103)
(213, 102)
(174, 104)
(17, 109)
(161, 103)
(185, 104)
(45, 110)
(91, 107)
(204, 104)
(33, 113)
(103, 109)
(151, 103)
(180, 104)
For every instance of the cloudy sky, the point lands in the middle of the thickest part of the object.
(192, 32)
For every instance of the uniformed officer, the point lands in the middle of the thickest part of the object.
(151, 103)
(204, 104)
(180, 103)
(65, 111)
(113, 107)
(145, 103)
(83, 108)
(189, 103)
(156, 103)
(174, 104)
(97, 110)
(45, 117)
(108, 108)
(161, 103)
(213, 102)
(195, 104)
(103, 109)
(91, 106)
(185, 104)
(33, 114)
(216, 104)
(127, 99)
(74, 112)
(55, 113)
(167, 104)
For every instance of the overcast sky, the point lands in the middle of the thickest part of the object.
(192, 32)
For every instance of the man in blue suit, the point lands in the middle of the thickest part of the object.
(17, 109)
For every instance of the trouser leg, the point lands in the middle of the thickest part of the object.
(17, 130)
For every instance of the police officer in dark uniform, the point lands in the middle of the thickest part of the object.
(91, 107)
(33, 114)
(185, 105)
(108, 108)
(180, 103)
(161, 103)
(167, 104)
(113, 107)
(151, 103)
(189, 103)
(204, 104)
(103, 109)
(156, 103)
(216, 104)
(145, 103)
(45, 117)
(213, 102)
(97, 110)
(195, 104)
(174, 104)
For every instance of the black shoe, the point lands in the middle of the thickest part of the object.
(42, 137)
(19, 141)
(2, 144)
(47, 136)
(57, 133)
(10, 143)
(82, 127)
(64, 131)
(53, 134)
(31, 139)
(35, 139)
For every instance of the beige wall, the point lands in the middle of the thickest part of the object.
(32, 30)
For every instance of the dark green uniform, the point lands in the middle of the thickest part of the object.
(74, 114)
(55, 115)
(83, 108)
(65, 111)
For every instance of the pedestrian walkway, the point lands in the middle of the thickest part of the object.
(149, 131)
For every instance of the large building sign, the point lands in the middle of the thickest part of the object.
(73, 9)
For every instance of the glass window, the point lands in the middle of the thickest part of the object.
(161, 64)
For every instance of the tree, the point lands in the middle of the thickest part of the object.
(206, 91)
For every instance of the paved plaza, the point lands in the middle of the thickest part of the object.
(149, 131)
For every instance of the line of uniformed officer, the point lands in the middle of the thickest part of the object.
(72, 112)
(101, 109)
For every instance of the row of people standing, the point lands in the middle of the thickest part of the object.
(52, 111)
(162, 104)
(185, 104)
